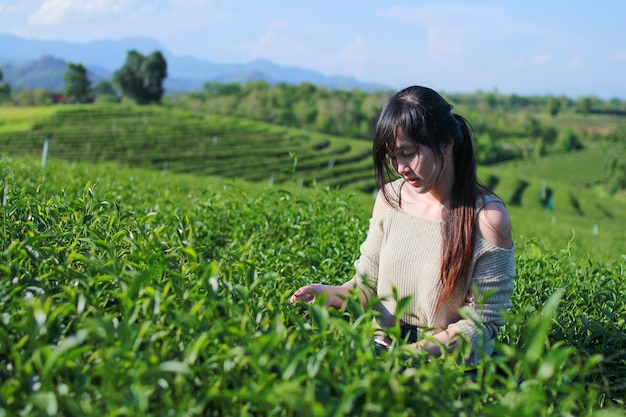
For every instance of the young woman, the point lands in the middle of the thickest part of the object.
(436, 234)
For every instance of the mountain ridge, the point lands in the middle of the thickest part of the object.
(185, 73)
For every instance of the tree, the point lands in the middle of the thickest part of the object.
(532, 127)
(569, 140)
(104, 87)
(617, 164)
(32, 97)
(213, 89)
(553, 105)
(77, 84)
(584, 105)
(105, 92)
(141, 78)
(491, 100)
(5, 89)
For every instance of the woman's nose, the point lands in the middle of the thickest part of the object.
(403, 167)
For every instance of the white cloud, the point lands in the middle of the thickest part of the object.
(575, 62)
(443, 42)
(355, 51)
(620, 57)
(189, 3)
(54, 12)
(541, 59)
(439, 13)
(270, 39)
(351, 59)
(458, 33)
(9, 8)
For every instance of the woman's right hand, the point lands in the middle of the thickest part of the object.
(335, 295)
(308, 293)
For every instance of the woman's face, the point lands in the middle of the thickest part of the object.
(416, 164)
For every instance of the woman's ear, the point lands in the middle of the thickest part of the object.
(448, 147)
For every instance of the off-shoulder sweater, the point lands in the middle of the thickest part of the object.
(404, 251)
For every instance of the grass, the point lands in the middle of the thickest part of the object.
(19, 119)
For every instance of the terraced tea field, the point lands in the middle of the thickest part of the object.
(154, 137)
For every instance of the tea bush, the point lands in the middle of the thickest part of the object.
(139, 293)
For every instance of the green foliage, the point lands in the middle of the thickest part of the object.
(617, 180)
(213, 89)
(105, 93)
(568, 140)
(141, 78)
(27, 97)
(303, 106)
(77, 84)
(553, 106)
(104, 88)
(617, 163)
(5, 89)
(585, 105)
(129, 292)
(518, 127)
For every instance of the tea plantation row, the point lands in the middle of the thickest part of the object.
(141, 293)
(180, 141)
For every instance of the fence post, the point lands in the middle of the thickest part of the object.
(46, 145)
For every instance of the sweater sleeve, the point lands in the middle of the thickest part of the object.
(366, 266)
(489, 296)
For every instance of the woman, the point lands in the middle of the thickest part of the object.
(436, 234)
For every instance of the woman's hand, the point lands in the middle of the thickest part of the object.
(309, 292)
(448, 339)
(335, 295)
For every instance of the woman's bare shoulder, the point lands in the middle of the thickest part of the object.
(381, 203)
(494, 224)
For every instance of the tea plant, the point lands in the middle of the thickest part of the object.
(130, 292)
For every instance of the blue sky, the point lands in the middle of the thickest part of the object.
(524, 47)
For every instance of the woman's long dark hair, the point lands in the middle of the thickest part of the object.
(423, 116)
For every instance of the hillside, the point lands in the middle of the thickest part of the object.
(179, 141)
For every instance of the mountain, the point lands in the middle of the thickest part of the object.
(34, 63)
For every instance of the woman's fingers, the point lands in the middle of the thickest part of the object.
(306, 294)
(307, 297)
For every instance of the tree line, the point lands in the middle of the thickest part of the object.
(501, 133)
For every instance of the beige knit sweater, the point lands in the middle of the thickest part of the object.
(404, 251)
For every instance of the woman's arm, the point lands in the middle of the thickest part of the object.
(366, 266)
(493, 276)
(336, 294)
